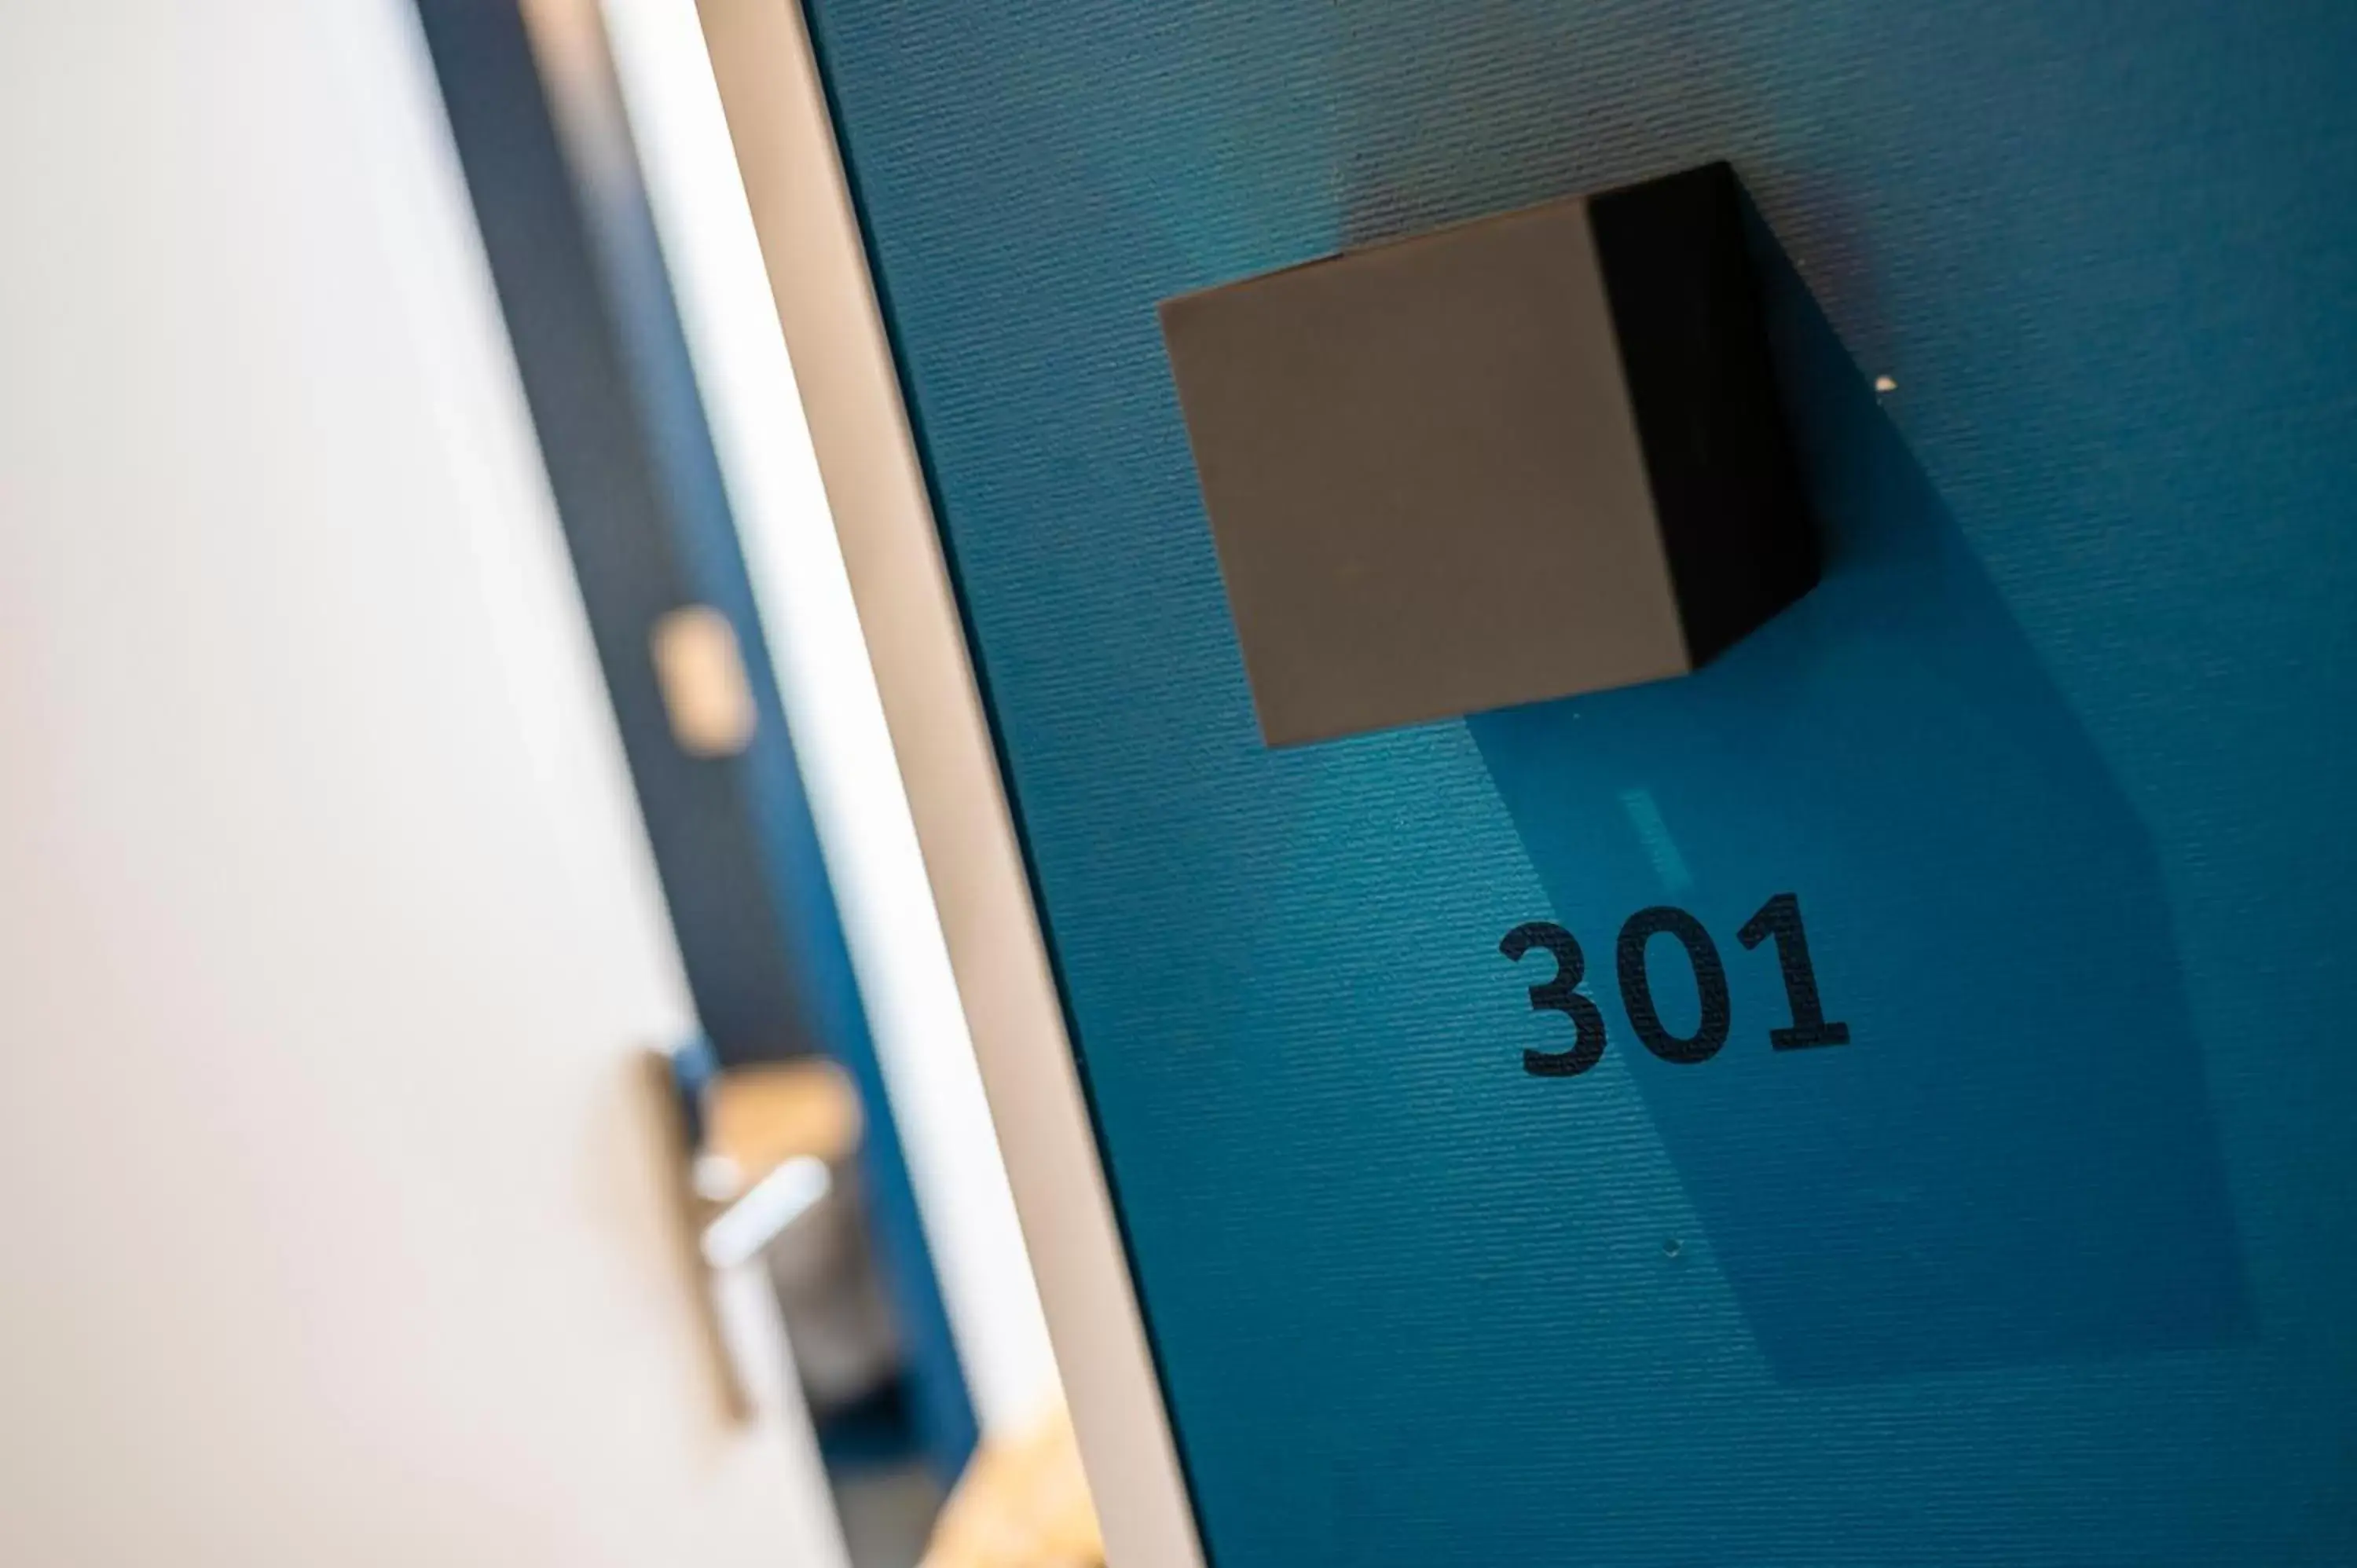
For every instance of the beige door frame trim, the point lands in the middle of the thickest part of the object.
(835, 332)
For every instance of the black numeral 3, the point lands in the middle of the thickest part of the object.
(1560, 995)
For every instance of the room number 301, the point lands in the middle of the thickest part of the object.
(1780, 918)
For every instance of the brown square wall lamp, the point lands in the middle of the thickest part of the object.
(1527, 457)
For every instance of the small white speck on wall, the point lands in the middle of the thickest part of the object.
(1883, 384)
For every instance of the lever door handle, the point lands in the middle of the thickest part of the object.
(770, 1138)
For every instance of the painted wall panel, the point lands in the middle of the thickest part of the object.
(2053, 1261)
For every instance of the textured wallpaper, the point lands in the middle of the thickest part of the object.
(2042, 794)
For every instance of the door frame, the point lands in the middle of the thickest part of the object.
(570, 238)
(805, 215)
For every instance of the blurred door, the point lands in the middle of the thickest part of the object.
(338, 1224)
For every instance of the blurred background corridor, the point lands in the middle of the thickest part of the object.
(484, 1081)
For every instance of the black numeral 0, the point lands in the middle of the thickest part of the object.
(1562, 996)
(1710, 982)
(1781, 918)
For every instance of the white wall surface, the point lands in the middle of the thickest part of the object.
(332, 1229)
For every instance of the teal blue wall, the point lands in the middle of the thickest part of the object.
(2056, 1262)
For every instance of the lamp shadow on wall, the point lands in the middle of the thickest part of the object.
(2015, 1160)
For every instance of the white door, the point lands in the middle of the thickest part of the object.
(334, 1222)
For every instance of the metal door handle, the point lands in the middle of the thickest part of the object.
(750, 1158)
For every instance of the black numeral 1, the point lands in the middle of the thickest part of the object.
(1562, 996)
(1781, 918)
